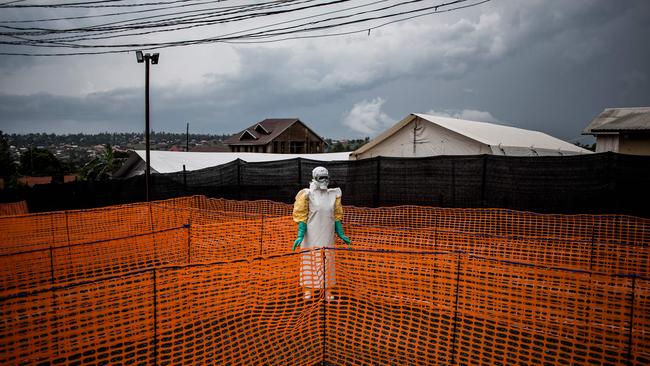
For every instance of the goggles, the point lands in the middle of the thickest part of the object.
(323, 178)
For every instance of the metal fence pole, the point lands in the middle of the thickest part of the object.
(52, 250)
(483, 178)
(453, 183)
(184, 179)
(238, 178)
(155, 318)
(377, 202)
(455, 317)
(189, 236)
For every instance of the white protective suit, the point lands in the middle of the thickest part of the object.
(324, 209)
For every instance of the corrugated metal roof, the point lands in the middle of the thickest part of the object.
(620, 119)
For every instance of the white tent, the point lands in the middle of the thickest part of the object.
(173, 161)
(420, 135)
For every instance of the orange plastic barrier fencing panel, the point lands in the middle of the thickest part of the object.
(622, 229)
(203, 217)
(391, 239)
(171, 246)
(539, 251)
(621, 258)
(226, 240)
(564, 253)
(503, 222)
(21, 272)
(95, 260)
(278, 234)
(169, 217)
(31, 232)
(27, 329)
(519, 314)
(13, 208)
(245, 313)
(640, 352)
(260, 207)
(106, 322)
(106, 223)
(390, 308)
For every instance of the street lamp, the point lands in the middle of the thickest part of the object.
(153, 59)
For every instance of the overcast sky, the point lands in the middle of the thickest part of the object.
(546, 65)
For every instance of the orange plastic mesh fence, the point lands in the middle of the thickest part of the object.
(387, 308)
(206, 281)
(488, 221)
(13, 208)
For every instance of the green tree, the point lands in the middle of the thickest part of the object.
(39, 162)
(7, 166)
(102, 166)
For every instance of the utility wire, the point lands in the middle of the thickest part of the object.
(260, 34)
(92, 4)
(113, 14)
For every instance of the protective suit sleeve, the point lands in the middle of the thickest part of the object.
(301, 207)
(338, 210)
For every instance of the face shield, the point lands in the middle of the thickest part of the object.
(321, 177)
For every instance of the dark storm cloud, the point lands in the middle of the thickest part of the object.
(544, 65)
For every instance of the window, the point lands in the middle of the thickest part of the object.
(297, 147)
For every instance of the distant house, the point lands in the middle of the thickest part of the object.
(277, 136)
(420, 135)
(622, 130)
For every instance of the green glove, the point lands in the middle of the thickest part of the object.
(302, 228)
(339, 231)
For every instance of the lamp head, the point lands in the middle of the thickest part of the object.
(154, 58)
(139, 56)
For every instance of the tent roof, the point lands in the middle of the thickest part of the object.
(486, 133)
(173, 161)
(620, 119)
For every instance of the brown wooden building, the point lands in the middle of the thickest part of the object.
(279, 136)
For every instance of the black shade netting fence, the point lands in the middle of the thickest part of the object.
(594, 183)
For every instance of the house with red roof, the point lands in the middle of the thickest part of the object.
(277, 136)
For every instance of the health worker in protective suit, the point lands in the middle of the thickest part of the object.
(318, 212)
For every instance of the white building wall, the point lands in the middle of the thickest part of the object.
(606, 143)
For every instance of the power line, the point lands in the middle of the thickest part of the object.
(111, 14)
(92, 4)
(276, 32)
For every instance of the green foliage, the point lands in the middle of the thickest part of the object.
(39, 162)
(101, 167)
(591, 147)
(7, 166)
(345, 145)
